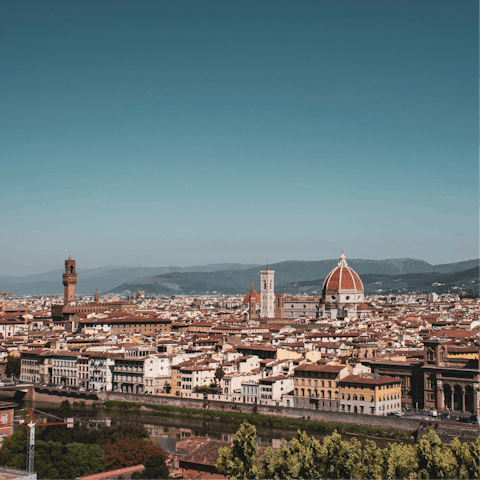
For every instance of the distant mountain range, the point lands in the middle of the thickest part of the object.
(102, 278)
(236, 281)
(465, 281)
(230, 278)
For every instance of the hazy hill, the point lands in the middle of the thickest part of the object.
(239, 281)
(467, 280)
(103, 278)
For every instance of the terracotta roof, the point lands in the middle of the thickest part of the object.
(363, 306)
(205, 453)
(369, 379)
(113, 473)
(319, 368)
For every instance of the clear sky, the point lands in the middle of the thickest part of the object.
(176, 132)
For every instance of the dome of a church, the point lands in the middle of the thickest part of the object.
(364, 307)
(251, 293)
(342, 277)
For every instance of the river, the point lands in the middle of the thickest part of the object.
(169, 429)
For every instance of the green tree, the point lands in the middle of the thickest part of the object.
(155, 467)
(373, 464)
(55, 460)
(400, 461)
(466, 458)
(242, 460)
(434, 459)
(12, 446)
(341, 459)
(65, 410)
(305, 457)
(219, 374)
(277, 463)
(13, 366)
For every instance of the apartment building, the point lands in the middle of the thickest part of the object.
(371, 394)
(128, 375)
(64, 369)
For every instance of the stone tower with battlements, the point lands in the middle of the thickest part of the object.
(69, 281)
(267, 293)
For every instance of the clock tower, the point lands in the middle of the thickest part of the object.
(69, 281)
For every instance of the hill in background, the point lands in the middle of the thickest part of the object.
(239, 281)
(465, 281)
(103, 278)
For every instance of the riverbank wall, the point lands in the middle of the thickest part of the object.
(385, 423)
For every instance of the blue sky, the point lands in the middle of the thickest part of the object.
(191, 132)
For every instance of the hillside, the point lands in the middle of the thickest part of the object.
(239, 281)
(103, 278)
(467, 280)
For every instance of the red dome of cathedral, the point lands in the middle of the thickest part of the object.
(364, 307)
(247, 297)
(342, 277)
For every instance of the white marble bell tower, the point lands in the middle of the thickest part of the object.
(267, 293)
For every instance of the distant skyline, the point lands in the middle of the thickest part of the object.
(184, 132)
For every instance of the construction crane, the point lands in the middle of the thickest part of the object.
(69, 422)
(4, 301)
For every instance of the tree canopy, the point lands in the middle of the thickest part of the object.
(62, 452)
(65, 409)
(13, 366)
(128, 452)
(308, 457)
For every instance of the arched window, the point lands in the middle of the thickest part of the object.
(343, 396)
(296, 392)
(362, 397)
(322, 393)
(303, 392)
(329, 394)
(355, 396)
(309, 393)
